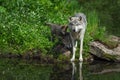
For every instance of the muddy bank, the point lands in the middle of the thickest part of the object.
(33, 54)
(36, 54)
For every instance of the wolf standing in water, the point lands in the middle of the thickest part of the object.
(77, 25)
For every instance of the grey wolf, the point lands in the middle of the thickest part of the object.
(77, 26)
(57, 30)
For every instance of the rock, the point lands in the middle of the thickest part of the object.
(102, 51)
(66, 52)
(62, 49)
(115, 38)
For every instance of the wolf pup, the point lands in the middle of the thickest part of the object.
(77, 26)
(57, 30)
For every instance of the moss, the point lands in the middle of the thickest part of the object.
(111, 44)
(109, 57)
(63, 58)
(108, 42)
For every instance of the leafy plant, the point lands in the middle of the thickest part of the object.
(22, 24)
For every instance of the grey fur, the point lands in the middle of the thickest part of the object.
(57, 30)
(77, 26)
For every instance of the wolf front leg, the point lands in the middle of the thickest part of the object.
(74, 45)
(81, 48)
(73, 50)
(81, 45)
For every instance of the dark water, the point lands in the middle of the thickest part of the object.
(14, 69)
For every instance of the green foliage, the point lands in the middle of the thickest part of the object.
(22, 24)
(63, 58)
(22, 27)
(108, 13)
(94, 30)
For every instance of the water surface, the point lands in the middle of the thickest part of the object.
(15, 69)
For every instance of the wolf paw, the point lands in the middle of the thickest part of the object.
(81, 59)
(72, 59)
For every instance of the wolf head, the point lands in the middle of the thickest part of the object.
(77, 22)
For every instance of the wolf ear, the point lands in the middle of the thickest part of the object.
(70, 18)
(64, 28)
(80, 18)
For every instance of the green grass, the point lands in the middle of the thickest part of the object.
(22, 24)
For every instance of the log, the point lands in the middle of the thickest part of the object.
(102, 51)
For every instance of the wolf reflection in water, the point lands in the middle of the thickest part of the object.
(74, 70)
